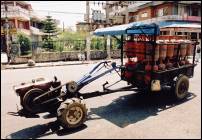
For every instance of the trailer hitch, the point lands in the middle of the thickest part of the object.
(72, 87)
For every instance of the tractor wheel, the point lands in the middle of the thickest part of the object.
(181, 87)
(27, 102)
(72, 113)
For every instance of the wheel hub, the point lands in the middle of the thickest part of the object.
(74, 115)
(182, 88)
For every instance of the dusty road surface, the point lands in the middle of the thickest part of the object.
(117, 115)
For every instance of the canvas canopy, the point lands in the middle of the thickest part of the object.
(140, 28)
(131, 28)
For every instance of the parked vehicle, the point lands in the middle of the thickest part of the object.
(4, 58)
(154, 61)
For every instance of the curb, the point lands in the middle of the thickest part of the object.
(23, 67)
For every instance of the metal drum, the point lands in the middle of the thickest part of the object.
(162, 51)
(170, 50)
(130, 48)
(189, 51)
(156, 56)
(183, 48)
(149, 51)
(140, 51)
(175, 43)
(162, 54)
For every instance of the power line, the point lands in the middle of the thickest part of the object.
(64, 12)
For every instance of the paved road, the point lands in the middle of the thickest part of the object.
(117, 115)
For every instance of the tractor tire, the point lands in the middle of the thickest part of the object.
(72, 113)
(27, 101)
(181, 87)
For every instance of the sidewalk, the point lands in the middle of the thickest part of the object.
(50, 64)
(46, 64)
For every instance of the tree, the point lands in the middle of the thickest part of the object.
(50, 30)
(25, 43)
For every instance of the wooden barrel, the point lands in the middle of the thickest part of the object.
(162, 51)
(170, 50)
(140, 51)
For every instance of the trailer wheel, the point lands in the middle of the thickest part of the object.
(72, 113)
(181, 87)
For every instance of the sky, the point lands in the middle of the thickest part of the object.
(63, 6)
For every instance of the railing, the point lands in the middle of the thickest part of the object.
(25, 31)
(35, 30)
(172, 17)
(192, 18)
(15, 11)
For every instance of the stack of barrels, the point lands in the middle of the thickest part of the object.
(164, 56)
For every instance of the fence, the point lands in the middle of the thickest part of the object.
(65, 50)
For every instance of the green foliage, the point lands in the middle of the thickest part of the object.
(98, 43)
(25, 43)
(49, 25)
(59, 46)
(115, 44)
(75, 39)
(51, 30)
(72, 36)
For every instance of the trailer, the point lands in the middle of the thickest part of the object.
(153, 61)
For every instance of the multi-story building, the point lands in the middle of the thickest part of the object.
(21, 18)
(82, 27)
(175, 13)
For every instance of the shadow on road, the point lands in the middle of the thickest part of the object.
(43, 130)
(132, 108)
(123, 111)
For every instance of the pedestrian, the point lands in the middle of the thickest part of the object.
(198, 53)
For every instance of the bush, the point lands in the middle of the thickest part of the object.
(25, 43)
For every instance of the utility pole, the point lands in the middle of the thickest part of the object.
(107, 12)
(63, 28)
(108, 37)
(7, 29)
(88, 36)
(126, 12)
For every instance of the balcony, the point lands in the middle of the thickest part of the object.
(173, 17)
(192, 18)
(35, 31)
(25, 31)
(15, 12)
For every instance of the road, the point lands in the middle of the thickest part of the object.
(117, 115)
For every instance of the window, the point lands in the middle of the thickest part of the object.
(199, 35)
(21, 25)
(160, 12)
(195, 12)
(194, 36)
(145, 14)
(164, 32)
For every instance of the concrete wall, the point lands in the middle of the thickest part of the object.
(65, 56)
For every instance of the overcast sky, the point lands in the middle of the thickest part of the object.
(65, 6)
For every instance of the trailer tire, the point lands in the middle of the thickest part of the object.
(181, 87)
(72, 113)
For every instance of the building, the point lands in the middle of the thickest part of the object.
(21, 18)
(176, 13)
(82, 27)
